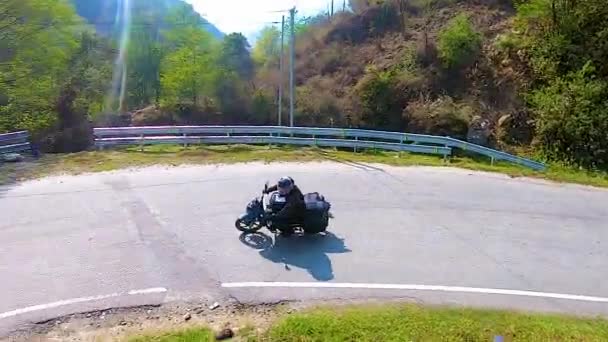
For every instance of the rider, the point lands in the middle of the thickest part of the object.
(294, 208)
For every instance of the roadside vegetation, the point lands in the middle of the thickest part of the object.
(408, 323)
(511, 74)
(97, 161)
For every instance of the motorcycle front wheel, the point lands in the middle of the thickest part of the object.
(247, 227)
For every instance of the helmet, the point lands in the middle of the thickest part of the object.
(285, 185)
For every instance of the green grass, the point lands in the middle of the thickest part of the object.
(415, 323)
(96, 161)
(193, 334)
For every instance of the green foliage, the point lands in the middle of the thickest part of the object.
(151, 14)
(235, 56)
(565, 44)
(573, 118)
(459, 43)
(267, 47)
(380, 103)
(263, 107)
(32, 78)
(187, 76)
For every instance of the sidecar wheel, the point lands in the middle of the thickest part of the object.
(247, 228)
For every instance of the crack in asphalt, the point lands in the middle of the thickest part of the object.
(167, 248)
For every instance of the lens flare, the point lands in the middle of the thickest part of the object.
(119, 78)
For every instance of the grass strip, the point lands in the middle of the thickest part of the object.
(95, 161)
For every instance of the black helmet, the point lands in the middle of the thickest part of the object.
(285, 185)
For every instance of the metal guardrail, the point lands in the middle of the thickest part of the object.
(15, 142)
(331, 137)
(103, 142)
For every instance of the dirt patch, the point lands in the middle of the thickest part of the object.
(120, 324)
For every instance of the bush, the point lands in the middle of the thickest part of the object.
(381, 105)
(75, 138)
(459, 43)
(316, 107)
(263, 108)
(441, 117)
(572, 118)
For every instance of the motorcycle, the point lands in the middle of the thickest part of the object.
(258, 214)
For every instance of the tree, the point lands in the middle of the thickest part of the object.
(188, 75)
(235, 56)
(189, 65)
(145, 54)
(38, 38)
(268, 47)
(573, 118)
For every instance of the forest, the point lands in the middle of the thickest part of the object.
(520, 75)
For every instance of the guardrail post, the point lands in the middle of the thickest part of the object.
(141, 143)
(492, 161)
(185, 141)
(355, 148)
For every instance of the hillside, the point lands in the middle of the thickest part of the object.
(529, 77)
(517, 74)
(380, 67)
(102, 13)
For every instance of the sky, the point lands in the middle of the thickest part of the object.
(249, 16)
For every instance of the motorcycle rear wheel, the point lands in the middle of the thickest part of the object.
(252, 227)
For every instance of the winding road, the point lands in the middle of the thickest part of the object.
(433, 235)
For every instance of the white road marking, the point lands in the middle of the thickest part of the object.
(148, 291)
(412, 287)
(78, 300)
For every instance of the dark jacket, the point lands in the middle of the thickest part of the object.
(294, 207)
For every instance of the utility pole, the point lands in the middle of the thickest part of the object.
(281, 70)
(292, 15)
(332, 8)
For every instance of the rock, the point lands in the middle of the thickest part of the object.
(214, 306)
(479, 131)
(187, 317)
(88, 315)
(123, 323)
(504, 120)
(224, 335)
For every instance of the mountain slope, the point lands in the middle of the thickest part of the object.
(102, 13)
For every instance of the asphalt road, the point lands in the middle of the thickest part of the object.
(72, 244)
